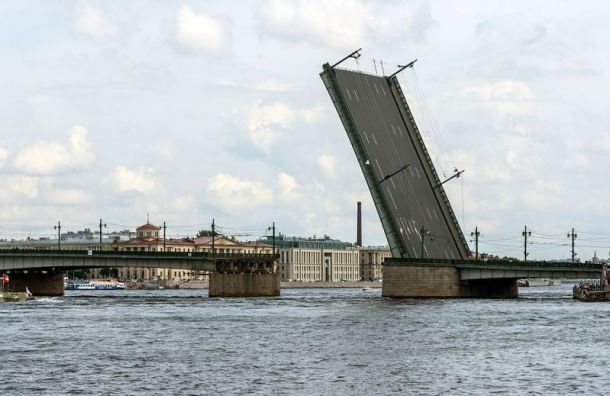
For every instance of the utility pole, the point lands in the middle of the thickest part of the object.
(573, 236)
(272, 228)
(525, 234)
(164, 229)
(423, 233)
(102, 225)
(58, 228)
(476, 234)
(213, 235)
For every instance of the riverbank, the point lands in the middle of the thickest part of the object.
(204, 284)
(329, 285)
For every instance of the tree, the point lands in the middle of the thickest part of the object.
(109, 272)
(204, 233)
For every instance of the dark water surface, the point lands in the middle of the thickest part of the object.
(324, 341)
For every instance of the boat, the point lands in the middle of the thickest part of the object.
(109, 284)
(367, 288)
(538, 282)
(13, 296)
(590, 292)
(593, 292)
(79, 284)
(16, 296)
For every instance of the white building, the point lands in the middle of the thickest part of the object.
(316, 259)
(371, 262)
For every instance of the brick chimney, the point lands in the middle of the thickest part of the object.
(359, 226)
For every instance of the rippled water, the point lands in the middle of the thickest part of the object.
(327, 341)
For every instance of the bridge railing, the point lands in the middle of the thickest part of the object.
(121, 253)
(496, 263)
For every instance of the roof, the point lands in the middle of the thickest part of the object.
(148, 226)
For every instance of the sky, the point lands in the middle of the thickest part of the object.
(194, 110)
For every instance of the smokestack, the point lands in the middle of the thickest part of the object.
(359, 226)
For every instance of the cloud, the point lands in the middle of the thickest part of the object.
(46, 158)
(25, 186)
(183, 203)
(342, 23)
(327, 163)
(265, 123)
(272, 86)
(345, 23)
(543, 195)
(232, 194)
(4, 154)
(68, 197)
(92, 21)
(503, 91)
(199, 31)
(288, 188)
(140, 180)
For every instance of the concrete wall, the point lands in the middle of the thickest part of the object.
(411, 281)
(428, 281)
(39, 284)
(244, 285)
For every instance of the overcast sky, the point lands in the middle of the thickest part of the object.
(195, 110)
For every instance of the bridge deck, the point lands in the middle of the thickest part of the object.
(60, 260)
(500, 269)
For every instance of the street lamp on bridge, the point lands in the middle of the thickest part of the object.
(58, 228)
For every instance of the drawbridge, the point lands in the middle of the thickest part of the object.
(415, 212)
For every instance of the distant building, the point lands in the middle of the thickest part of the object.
(371, 262)
(316, 259)
(148, 240)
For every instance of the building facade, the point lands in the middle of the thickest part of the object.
(148, 240)
(316, 259)
(371, 262)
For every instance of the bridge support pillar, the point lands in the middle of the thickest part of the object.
(440, 281)
(49, 284)
(244, 285)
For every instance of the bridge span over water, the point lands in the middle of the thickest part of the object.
(67, 260)
(232, 274)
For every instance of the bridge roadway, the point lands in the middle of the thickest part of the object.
(18, 260)
(501, 269)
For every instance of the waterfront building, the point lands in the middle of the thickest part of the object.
(316, 259)
(148, 240)
(371, 262)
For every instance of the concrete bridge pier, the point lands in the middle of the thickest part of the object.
(441, 281)
(40, 284)
(246, 278)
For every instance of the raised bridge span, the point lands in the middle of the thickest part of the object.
(430, 256)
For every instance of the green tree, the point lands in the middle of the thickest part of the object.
(109, 272)
(204, 233)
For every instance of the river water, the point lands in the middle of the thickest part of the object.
(312, 341)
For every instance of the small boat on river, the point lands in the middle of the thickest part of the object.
(593, 292)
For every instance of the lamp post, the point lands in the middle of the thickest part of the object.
(102, 225)
(272, 228)
(58, 228)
